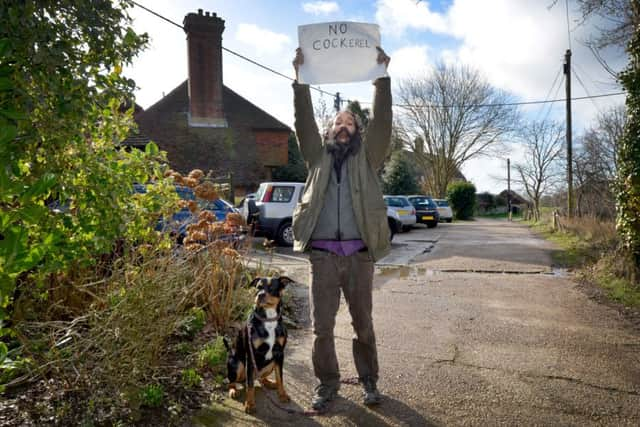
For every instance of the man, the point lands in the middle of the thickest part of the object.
(342, 221)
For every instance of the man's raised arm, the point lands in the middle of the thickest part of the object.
(379, 129)
(309, 139)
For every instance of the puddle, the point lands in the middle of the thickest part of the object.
(385, 273)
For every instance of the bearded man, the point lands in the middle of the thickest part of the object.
(342, 221)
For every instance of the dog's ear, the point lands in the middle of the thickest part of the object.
(254, 282)
(284, 281)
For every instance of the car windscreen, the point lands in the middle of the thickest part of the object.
(213, 205)
(396, 202)
(423, 202)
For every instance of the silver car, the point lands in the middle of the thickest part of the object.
(446, 214)
(400, 209)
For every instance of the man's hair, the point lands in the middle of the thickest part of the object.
(356, 120)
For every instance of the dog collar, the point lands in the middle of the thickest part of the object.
(267, 319)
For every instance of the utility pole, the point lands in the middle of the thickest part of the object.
(337, 102)
(567, 79)
(509, 188)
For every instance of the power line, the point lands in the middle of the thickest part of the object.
(553, 85)
(368, 102)
(575, 73)
(505, 104)
(546, 116)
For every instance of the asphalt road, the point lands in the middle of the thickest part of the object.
(474, 327)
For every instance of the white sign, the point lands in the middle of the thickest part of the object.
(339, 52)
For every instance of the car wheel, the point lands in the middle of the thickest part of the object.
(449, 220)
(432, 224)
(285, 234)
(406, 228)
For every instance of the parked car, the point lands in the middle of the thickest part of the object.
(242, 206)
(400, 212)
(426, 210)
(177, 224)
(446, 214)
(271, 211)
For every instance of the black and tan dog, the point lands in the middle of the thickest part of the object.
(262, 341)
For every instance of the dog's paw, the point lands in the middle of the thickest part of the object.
(284, 397)
(250, 408)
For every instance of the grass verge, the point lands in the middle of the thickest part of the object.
(590, 247)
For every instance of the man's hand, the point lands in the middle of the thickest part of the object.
(298, 60)
(383, 58)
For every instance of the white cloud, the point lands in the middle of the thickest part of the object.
(409, 61)
(321, 7)
(262, 40)
(396, 16)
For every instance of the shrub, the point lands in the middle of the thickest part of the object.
(213, 355)
(462, 196)
(193, 323)
(152, 395)
(191, 378)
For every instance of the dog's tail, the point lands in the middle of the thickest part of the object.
(226, 344)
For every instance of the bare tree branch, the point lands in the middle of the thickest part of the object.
(445, 123)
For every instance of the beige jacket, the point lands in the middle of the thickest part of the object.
(368, 206)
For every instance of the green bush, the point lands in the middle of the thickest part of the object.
(152, 395)
(213, 355)
(191, 378)
(462, 196)
(192, 323)
(399, 176)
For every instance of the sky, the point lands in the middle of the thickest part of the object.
(517, 45)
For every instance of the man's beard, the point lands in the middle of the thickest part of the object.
(340, 151)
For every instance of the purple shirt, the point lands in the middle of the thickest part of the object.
(339, 247)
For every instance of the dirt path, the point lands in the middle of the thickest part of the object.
(524, 347)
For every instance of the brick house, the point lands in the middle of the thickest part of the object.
(205, 125)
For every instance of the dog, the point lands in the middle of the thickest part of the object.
(260, 344)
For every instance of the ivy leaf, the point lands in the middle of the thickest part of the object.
(39, 188)
(7, 134)
(12, 248)
(151, 148)
(3, 351)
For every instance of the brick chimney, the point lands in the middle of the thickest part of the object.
(204, 46)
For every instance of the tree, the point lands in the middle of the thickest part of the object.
(399, 177)
(462, 196)
(295, 170)
(364, 114)
(61, 119)
(446, 121)
(622, 29)
(628, 159)
(323, 114)
(595, 164)
(538, 172)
